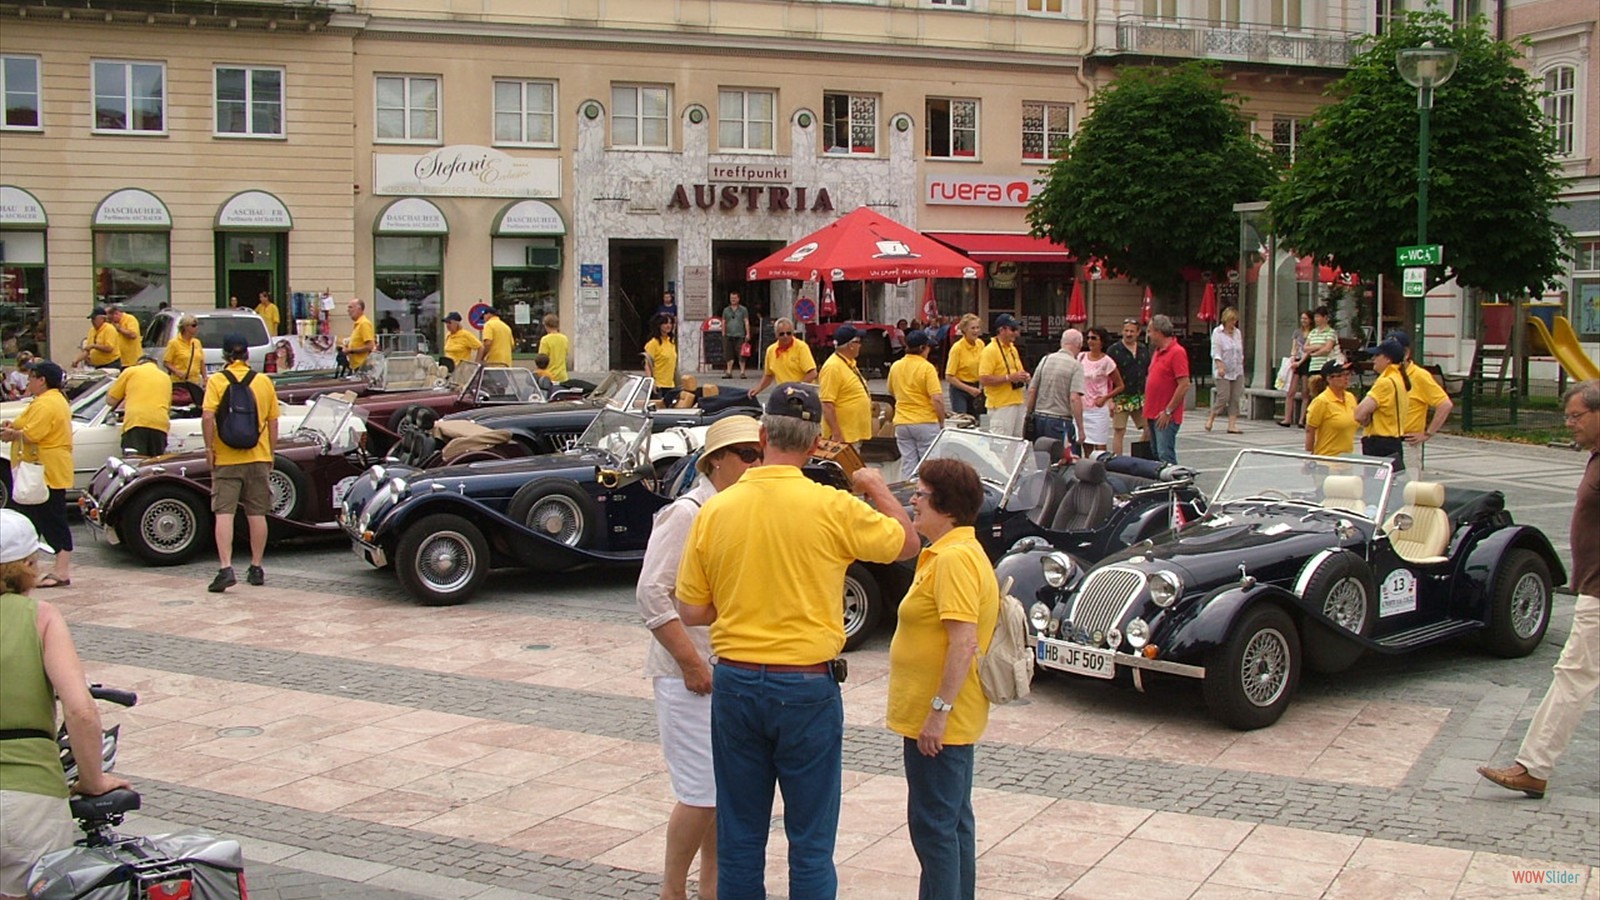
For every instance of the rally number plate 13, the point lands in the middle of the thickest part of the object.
(1075, 659)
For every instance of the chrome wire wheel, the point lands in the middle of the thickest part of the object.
(558, 517)
(1347, 604)
(284, 494)
(1264, 667)
(169, 525)
(446, 562)
(856, 605)
(1528, 605)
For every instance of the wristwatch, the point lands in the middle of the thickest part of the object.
(940, 706)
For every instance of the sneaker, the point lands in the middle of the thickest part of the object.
(255, 575)
(223, 581)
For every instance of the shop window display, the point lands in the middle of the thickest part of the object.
(24, 312)
(408, 308)
(133, 270)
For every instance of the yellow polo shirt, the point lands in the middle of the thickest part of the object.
(497, 334)
(1390, 392)
(47, 424)
(779, 589)
(268, 312)
(461, 345)
(360, 335)
(954, 583)
(663, 362)
(1335, 422)
(266, 409)
(840, 383)
(791, 364)
(146, 394)
(107, 335)
(998, 359)
(128, 348)
(914, 382)
(1425, 394)
(555, 345)
(186, 356)
(963, 360)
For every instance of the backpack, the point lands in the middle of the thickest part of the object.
(1006, 672)
(238, 419)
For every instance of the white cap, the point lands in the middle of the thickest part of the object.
(18, 539)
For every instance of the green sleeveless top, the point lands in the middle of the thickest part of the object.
(30, 765)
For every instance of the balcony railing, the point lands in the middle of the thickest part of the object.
(1242, 41)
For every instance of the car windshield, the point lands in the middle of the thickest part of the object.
(88, 404)
(618, 433)
(508, 385)
(999, 459)
(622, 391)
(327, 418)
(1358, 485)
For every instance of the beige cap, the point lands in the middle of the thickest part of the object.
(736, 429)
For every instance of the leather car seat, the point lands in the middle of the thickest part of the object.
(1425, 541)
(1088, 501)
(1344, 492)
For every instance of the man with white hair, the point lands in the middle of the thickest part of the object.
(1055, 398)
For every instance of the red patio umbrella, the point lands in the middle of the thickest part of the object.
(930, 303)
(1144, 308)
(1077, 310)
(1208, 303)
(864, 246)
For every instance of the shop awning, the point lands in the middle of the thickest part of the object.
(986, 247)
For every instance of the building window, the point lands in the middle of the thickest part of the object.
(1387, 11)
(1160, 9)
(745, 119)
(408, 291)
(19, 86)
(1286, 14)
(640, 116)
(408, 108)
(1560, 106)
(1046, 129)
(525, 112)
(133, 269)
(952, 128)
(1053, 7)
(953, 4)
(24, 294)
(1225, 12)
(249, 101)
(1287, 132)
(1585, 311)
(849, 123)
(130, 97)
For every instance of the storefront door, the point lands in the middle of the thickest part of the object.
(250, 263)
(639, 277)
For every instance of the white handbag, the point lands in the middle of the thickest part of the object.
(27, 484)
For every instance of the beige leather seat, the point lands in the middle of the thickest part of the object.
(1425, 541)
(1344, 492)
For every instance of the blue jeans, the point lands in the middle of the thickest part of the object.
(785, 729)
(1166, 441)
(1063, 430)
(939, 816)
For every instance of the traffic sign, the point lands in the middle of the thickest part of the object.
(1415, 283)
(1420, 255)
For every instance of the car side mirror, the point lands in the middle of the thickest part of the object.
(1346, 530)
(1403, 522)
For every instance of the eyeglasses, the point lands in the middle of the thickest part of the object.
(747, 455)
(924, 493)
(785, 333)
(1573, 417)
(1093, 337)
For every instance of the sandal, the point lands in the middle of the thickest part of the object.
(51, 581)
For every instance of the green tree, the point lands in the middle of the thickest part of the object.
(1351, 195)
(1150, 179)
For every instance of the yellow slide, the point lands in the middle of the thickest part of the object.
(1566, 349)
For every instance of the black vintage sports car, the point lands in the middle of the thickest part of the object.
(1300, 562)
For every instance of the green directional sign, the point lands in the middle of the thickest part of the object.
(1420, 255)
(1415, 282)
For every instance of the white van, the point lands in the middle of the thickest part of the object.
(215, 324)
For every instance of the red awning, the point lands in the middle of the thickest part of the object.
(1004, 247)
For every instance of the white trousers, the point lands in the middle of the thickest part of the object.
(1577, 674)
(1007, 420)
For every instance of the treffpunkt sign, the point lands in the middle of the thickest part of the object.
(465, 170)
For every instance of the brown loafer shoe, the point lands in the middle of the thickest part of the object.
(1515, 778)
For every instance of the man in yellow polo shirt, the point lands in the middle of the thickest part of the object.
(555, 345)
(918, 402)
(1383, 411)
(1004, 380)
(846, 405)
(772, 593)
(129, 347)
(1425, 395)
(961, 369)
(240, 475)
(497, 341)
(460, 344)
(362, 340)
(145, 393)
(268, 311)
(102, 349)
(787, 359)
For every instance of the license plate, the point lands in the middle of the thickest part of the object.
(1075, 659)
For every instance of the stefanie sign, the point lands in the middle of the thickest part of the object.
(465, 170)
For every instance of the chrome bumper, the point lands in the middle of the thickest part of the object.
(1131, 660)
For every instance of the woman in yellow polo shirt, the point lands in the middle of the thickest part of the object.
(185, 359)
(1331, 418)
(661, 356)
(1383, 411)
(43, 435)
(961, 369)
(935, 702)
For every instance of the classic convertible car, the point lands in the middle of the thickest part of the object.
(443, 529)
(161, 507)
(1301, 562)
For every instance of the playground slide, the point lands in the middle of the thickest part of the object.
(1567, 351)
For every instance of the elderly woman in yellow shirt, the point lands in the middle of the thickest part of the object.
(1331, 418)
(961, 369)
(185, 359)
(43, 435)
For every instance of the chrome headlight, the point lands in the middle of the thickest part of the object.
(1138, 633)
(1165, 588)
(1113, 638)
(1058, 568)
(1039, 616)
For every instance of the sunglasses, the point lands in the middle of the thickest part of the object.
(747, 455)
(785, 333)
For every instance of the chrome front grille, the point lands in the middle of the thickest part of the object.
(1104, 596)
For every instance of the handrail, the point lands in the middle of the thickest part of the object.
(1260, 41)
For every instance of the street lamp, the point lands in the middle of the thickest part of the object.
(1424, 68)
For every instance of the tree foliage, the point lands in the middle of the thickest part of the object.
(1150, 179)
(1351, 195)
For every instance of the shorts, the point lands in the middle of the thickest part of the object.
(245, 484)
(731, 344)
(684, 720)
(144, 441)
(31, 825)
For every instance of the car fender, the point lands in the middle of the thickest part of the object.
(511, 542)
(111, 515)
(670, 444)
(1210, 626)
(1487, 555)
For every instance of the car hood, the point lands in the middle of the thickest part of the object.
(498, 469)
(518, 414)
(1271, 543)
